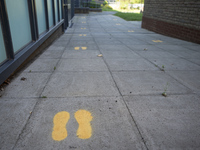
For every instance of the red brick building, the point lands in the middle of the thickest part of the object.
(177, 18)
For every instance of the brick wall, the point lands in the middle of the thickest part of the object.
(176, 18)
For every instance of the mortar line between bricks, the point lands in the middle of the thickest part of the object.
(123, 98)
(38, 99)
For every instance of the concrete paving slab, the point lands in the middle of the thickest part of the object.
(175, 64)
(99, 39)
(82, 30)
(53, 54)
(141, 31)
(133, 42)
(42, 65)
(193, 47)
(144, 48)
(170, 40)
(14, 114)
(89, 46)
(81, 54)
(82, 38)
(121, 36)
(125, 64)
(167, 122)
(96, 30)
(120, 54)
(186, 54)
(64, 37)
(81, 84)
(78, 42)
(60, 44)
(56, 47)
(195, 60)
(117, 33)
(173, 48)
(82, 65)
(157, 41)
(174, 41)
(143, 37)
(108, 42)
(158, 54)
(109, 115)
(100, 34)
(147, 82)
(27, 85)
(190, 79)
(82, 73)
(112, 47)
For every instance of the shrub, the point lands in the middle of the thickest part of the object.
(105, 3)
(124, 5)
(107, 8)
(92, 4)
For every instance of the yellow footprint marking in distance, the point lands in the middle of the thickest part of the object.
(84, 48)
(84, 117)
(76, 48)
(130, 31)
(83, 28)
(59, 130)
(157, 41)
(118, 24)
(82, 34)
(83, 22)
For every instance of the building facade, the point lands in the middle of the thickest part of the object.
(177, 18)
(23, 32)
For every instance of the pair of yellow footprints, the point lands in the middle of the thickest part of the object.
(157, 41)
(83, 117)
(77, 48)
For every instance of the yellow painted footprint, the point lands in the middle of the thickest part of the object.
(157, 41)
(59, 130)
(76, 48)
(84, 117)
(84, 48)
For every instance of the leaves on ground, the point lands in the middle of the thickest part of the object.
(23, 78)
(100, 55)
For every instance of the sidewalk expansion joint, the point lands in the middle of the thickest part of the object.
(123, 98)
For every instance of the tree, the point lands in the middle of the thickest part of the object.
(131, 1)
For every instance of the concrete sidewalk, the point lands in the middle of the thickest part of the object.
(121, 91)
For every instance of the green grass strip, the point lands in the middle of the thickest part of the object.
(129, 16)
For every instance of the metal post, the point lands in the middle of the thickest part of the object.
(32, 17)
(6, 30)
(62, 8)
(54, 17)
(46, 14)
(35, 18)
(58, 8)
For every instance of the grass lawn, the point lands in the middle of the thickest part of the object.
(107, 8)
(129, 16)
